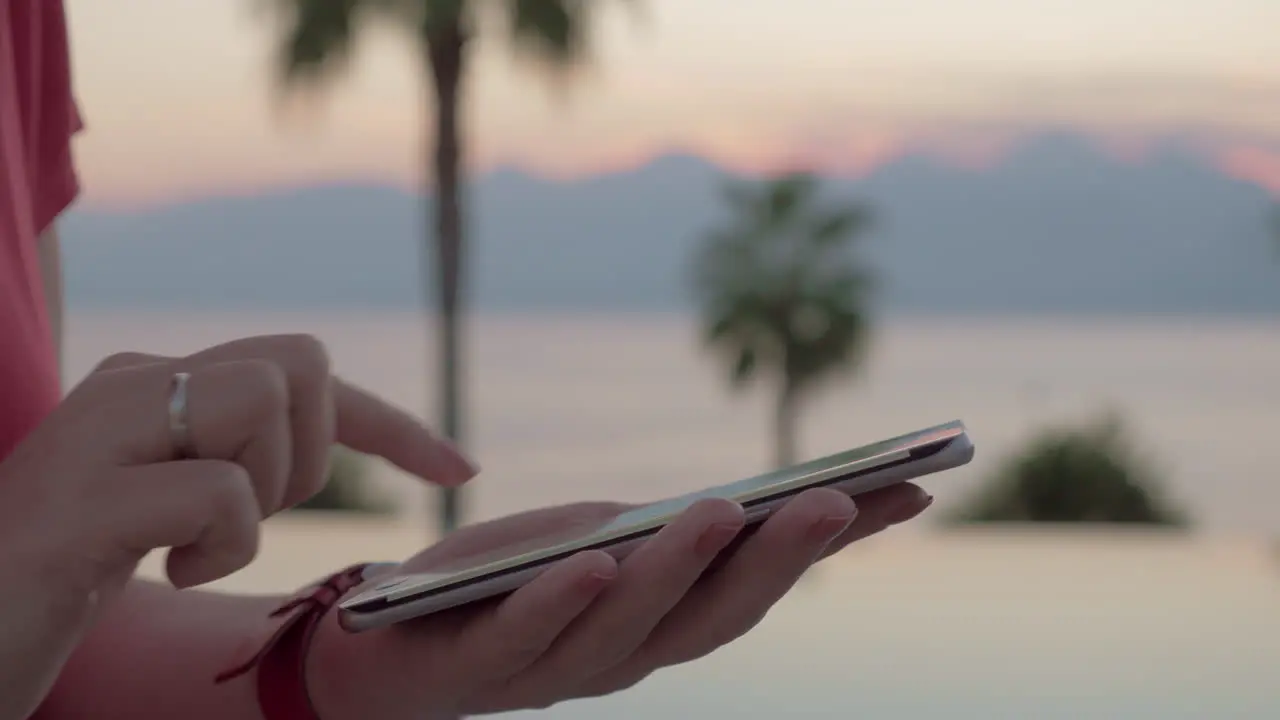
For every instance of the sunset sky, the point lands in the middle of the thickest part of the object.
(178, 99)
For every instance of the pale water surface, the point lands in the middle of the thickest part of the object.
(931, 625)
(567, 408)
(918, 623)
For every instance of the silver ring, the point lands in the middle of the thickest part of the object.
(179, 432)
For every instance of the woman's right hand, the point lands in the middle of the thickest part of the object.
(103, 481)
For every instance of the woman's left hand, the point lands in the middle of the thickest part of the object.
(588, 626)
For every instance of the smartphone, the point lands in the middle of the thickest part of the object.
(488, 575)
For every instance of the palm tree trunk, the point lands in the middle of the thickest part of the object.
(784, 426)
(445, 47)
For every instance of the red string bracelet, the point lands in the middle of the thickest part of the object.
(281, 663)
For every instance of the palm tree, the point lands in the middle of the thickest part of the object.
(319, 36)
(783, 294)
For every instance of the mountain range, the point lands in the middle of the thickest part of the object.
(1056, 226)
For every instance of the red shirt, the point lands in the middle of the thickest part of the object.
(37, 181)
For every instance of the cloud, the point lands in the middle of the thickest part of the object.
(973, 119)
(857, 120)
(1118, 102)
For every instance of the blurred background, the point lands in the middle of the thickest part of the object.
(630, 249)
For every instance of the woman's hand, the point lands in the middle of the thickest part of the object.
(102, 482)
(588, 626)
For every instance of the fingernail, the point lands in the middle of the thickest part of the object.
(460, 463)
(715, 538)
(469, 468)
(829, 527)
(908, 508)
(594, 581)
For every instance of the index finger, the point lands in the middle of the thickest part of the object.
(369, 424)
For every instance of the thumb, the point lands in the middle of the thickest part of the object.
(205, 511)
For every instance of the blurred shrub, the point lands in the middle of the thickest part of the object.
(348, 488)
(1086, 474)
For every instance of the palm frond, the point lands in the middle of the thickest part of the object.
(845, 284)
(745, 366)
(317, 38)
(739, 326)
(840, 225)
(839, 348)
(552, 35)
(442, 12)
(725, 262)
(740, 197)
(553, 29)
(789, 197)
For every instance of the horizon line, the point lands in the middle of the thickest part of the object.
(1254, 166)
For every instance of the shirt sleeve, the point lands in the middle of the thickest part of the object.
(56, 184)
